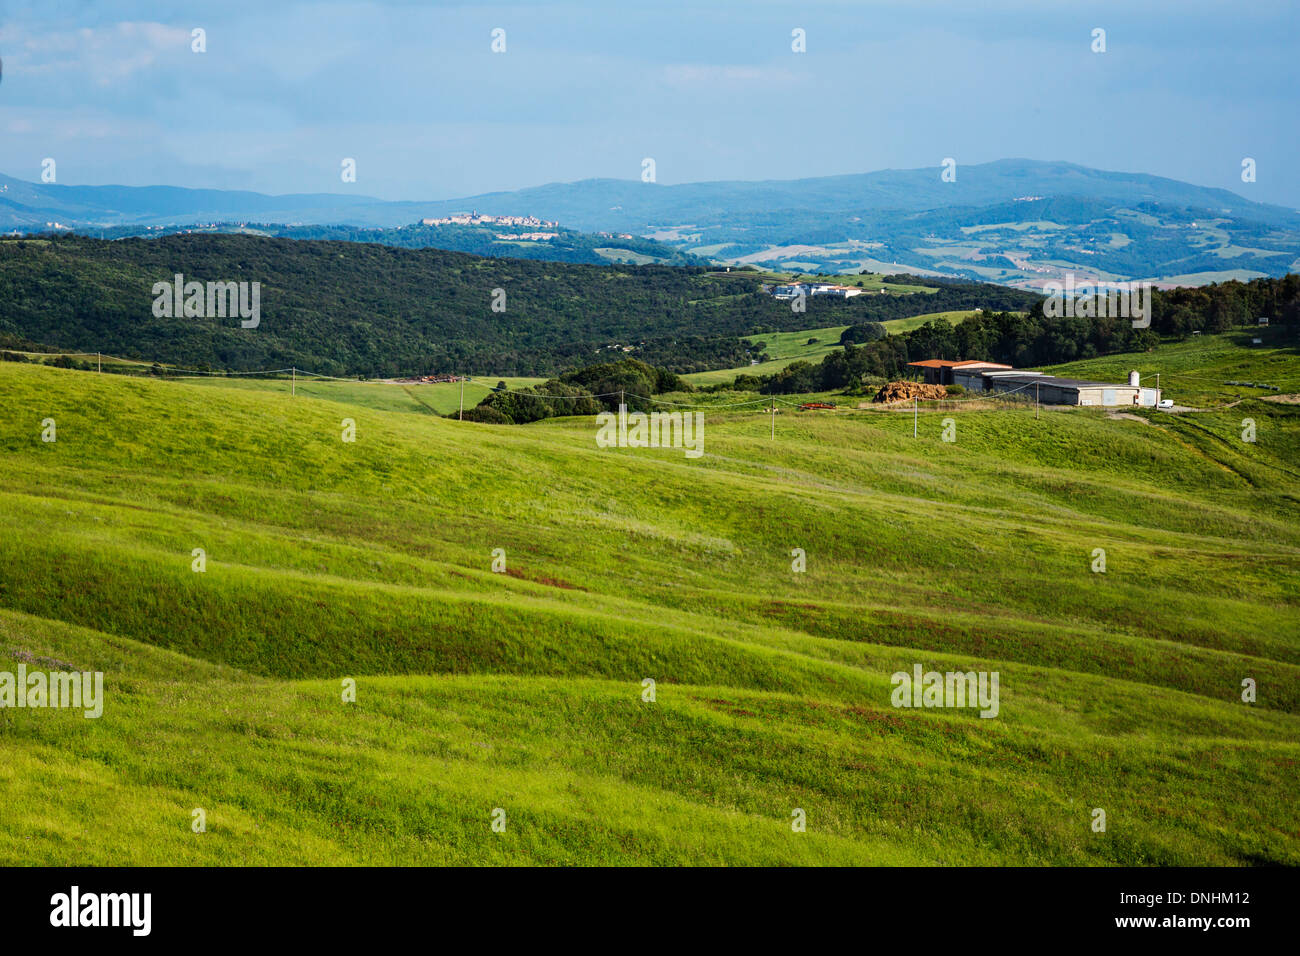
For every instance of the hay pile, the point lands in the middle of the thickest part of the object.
(898, 391)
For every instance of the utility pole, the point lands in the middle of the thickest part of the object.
(99, 360)
(772, 414)
(1158, 395)
(1035, 401)
(293, 386)
(460, 415)
(914, 415)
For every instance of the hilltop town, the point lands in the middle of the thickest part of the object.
(476, 219)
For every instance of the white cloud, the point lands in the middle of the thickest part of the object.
(103, 55)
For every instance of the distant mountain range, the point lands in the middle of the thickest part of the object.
(1017, 222)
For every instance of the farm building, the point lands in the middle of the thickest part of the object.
(1052, 390)
(941, 371)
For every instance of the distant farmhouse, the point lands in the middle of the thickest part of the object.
(975, 376)
(814, 288)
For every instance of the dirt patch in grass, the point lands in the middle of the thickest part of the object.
(874, 716)
(549, 582)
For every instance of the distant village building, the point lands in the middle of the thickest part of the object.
(840, 291)
(474, 219)
(794, 290)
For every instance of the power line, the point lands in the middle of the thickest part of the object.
(184, 372)
(179, 373)
(664, 401)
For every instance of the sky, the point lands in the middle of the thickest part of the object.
(415, 94)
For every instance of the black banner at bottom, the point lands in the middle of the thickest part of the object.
(1220, 906)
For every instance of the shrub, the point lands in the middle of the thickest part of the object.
(487, 414)
(866, 332)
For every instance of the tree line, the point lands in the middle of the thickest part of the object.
(1031, 339)
(372, 310)
(585, 391)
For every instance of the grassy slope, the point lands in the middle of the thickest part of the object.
(896, 326)
(788, 347)
(522, 691)
(872, 281)
(433, 398)
(784, 347)
(1194, 372)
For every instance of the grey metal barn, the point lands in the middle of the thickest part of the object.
(1051, 390)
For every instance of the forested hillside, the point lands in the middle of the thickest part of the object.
(568, 245)
(346, 308)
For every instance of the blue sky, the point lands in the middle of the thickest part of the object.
(710, 90)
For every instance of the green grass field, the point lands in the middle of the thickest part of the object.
(872, 281)
(787, 347)
(895, 326)
(372, 560)
(784, 347)
(1196, 371)
(433, 398)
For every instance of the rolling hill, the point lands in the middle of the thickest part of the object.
(522, 691)
(553, 244)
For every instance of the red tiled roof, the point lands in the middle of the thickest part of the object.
(945, 363)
